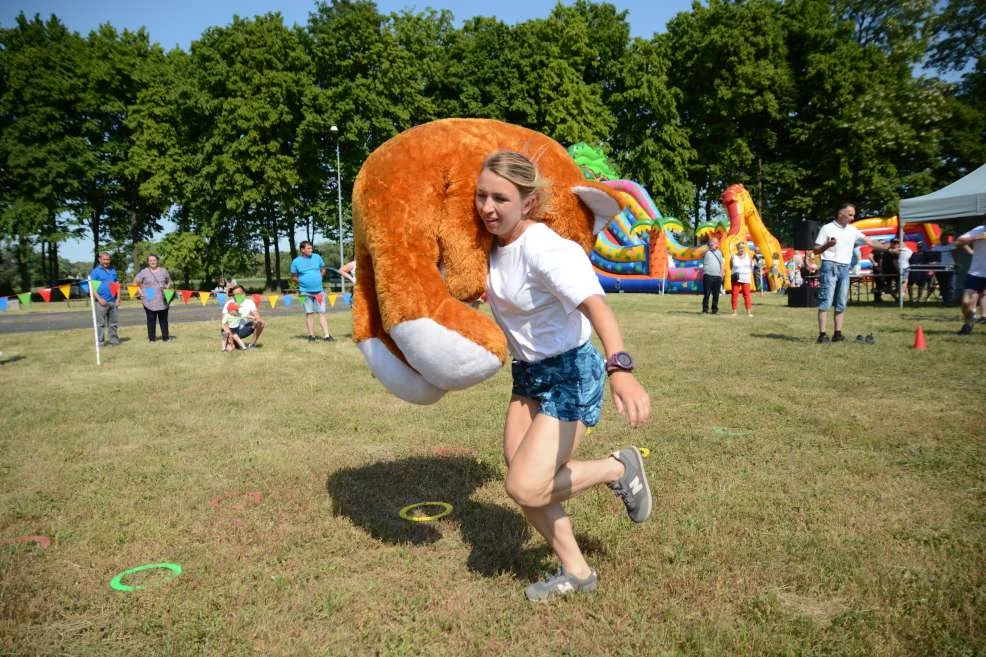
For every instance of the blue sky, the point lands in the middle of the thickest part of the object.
(179, 22)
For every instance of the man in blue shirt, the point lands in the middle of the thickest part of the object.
(308, 270)
(106, 300)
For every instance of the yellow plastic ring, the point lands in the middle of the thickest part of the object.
(406, 511)
(644, 451)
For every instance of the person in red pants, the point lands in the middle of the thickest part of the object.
(742, 268)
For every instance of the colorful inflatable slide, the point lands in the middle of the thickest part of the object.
(639, 252)
(885, 229)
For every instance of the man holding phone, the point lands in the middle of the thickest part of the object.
(835, 243)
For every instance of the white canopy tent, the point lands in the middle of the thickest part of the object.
(964, 198)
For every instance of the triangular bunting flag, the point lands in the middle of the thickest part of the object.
(204, 296)
(320, 297)
(347, 299)
(239, 298)
(45, 293)
(332, 300)
(257, 299)
(148, 293)
(3, 304)
(132, 291)
(221, 298)
(65, 290)
(185, 295)
(114, 290)
(24, 298)
(84, 286)
(287, 300)
(272, 300)
(169, 294)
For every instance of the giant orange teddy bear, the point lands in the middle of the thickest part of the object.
(422, 253)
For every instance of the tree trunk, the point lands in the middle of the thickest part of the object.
(134, 238)
(53, 252)
(277, 264)
(760, 186)
(23, 270)
(698, 205)
(267, 272)
(94, 227)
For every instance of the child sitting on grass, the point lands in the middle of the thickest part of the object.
(231, 320)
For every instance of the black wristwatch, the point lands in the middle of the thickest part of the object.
(619, 362)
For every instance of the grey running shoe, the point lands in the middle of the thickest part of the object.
(561, 583)
(823, 339)
(632, 487)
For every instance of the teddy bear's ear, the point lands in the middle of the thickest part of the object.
(601, 202)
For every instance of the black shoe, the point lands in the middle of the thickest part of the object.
(705, 312)
(859, 338)
(870, 339)
(823, 339)
(966, 329)
(715, 311)
(838, 337)
(981, 320)
(328, 338)
(311, 338)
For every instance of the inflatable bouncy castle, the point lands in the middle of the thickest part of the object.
(639, 251)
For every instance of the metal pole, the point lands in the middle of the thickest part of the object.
(342, 281)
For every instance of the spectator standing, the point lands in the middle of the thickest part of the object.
(106, 301)
(835, 243)
(711, 276)
(153, 280)
(308, 270)
(742, 276)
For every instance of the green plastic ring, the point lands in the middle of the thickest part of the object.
(406, 511)
(117, 582)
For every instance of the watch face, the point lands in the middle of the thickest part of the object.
(623, 360)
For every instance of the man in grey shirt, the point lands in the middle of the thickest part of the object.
(712, 276)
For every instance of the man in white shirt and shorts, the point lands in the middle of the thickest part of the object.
(975, 279)
(835, 243)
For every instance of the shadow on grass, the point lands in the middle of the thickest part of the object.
(781, 336)
(11, 359)
(372, 496)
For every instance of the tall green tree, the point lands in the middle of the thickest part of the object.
(730, 62)
(42, 146)
(250, 82)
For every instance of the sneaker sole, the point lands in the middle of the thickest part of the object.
(643, 475)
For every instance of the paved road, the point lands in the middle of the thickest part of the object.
(19, 321)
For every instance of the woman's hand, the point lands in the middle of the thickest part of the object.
(632, 401)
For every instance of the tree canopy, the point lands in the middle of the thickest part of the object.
(806, 102)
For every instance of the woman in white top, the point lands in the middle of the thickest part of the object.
(742, 275)
(547, 299)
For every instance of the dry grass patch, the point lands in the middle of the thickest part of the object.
(809, 500)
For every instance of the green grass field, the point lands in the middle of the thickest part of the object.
(809, 499)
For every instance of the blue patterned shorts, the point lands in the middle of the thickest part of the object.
(568, 386)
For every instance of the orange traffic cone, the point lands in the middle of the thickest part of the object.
(919, 342)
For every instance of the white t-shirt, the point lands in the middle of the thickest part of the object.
(978, 265)
(742, 267)
(904, 258)
(535, 286)
(247, 307)
(845, 240)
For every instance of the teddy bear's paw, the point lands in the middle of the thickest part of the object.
(445, 358)
(396, 376)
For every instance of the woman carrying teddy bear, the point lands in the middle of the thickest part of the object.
(547, 299)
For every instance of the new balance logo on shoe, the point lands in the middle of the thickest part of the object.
(635, 485)
(565, 587)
